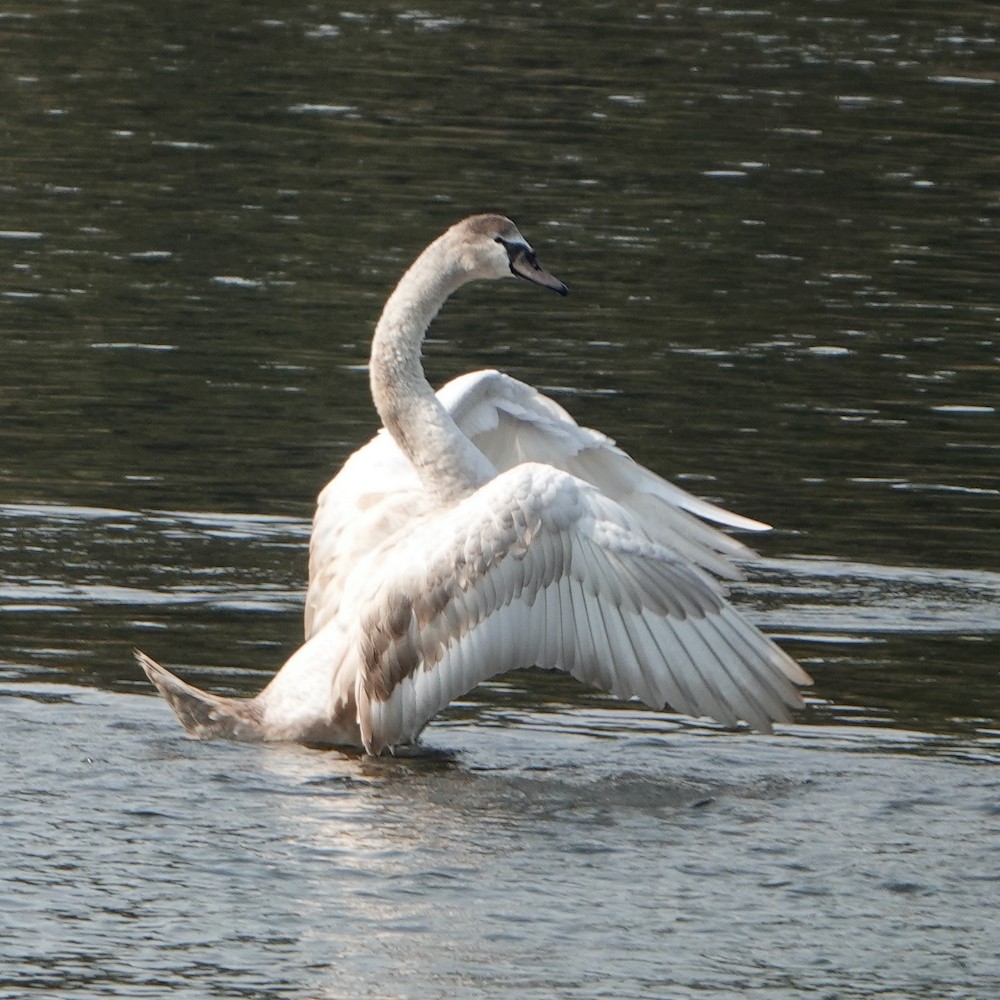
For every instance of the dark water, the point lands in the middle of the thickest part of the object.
(780, 225)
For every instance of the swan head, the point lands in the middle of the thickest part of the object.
(490, 246)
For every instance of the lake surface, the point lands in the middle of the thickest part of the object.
(779, 224)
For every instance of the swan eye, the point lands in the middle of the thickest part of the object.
(518, 251)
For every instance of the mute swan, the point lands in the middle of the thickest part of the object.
(483, 530)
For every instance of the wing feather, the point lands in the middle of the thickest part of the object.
(376, 495)
(569, 635)
(511, 422)
(625, 664)
(770, 702)
(668, 687)
(595, 666)
(717, 696)
(537, 568)
(547, 618)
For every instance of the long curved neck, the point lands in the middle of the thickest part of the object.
(449, 465)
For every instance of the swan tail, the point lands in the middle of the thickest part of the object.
(204, 716)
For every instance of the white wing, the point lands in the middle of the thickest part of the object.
(510, 422)
(376, 494)
(538, 568)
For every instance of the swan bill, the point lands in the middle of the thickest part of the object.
(524, 263)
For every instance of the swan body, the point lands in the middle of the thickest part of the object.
(483, 530)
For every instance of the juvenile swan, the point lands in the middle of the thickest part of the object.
(483, 530)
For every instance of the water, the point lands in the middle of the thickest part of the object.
(778, 224)
(582, 853)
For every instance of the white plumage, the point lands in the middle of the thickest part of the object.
(483, 530)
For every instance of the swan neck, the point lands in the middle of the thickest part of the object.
(447, 462)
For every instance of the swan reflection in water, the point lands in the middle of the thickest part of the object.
(483, 530)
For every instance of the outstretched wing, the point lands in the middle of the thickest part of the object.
(538, 568)
(377, 491)
(510, 422)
